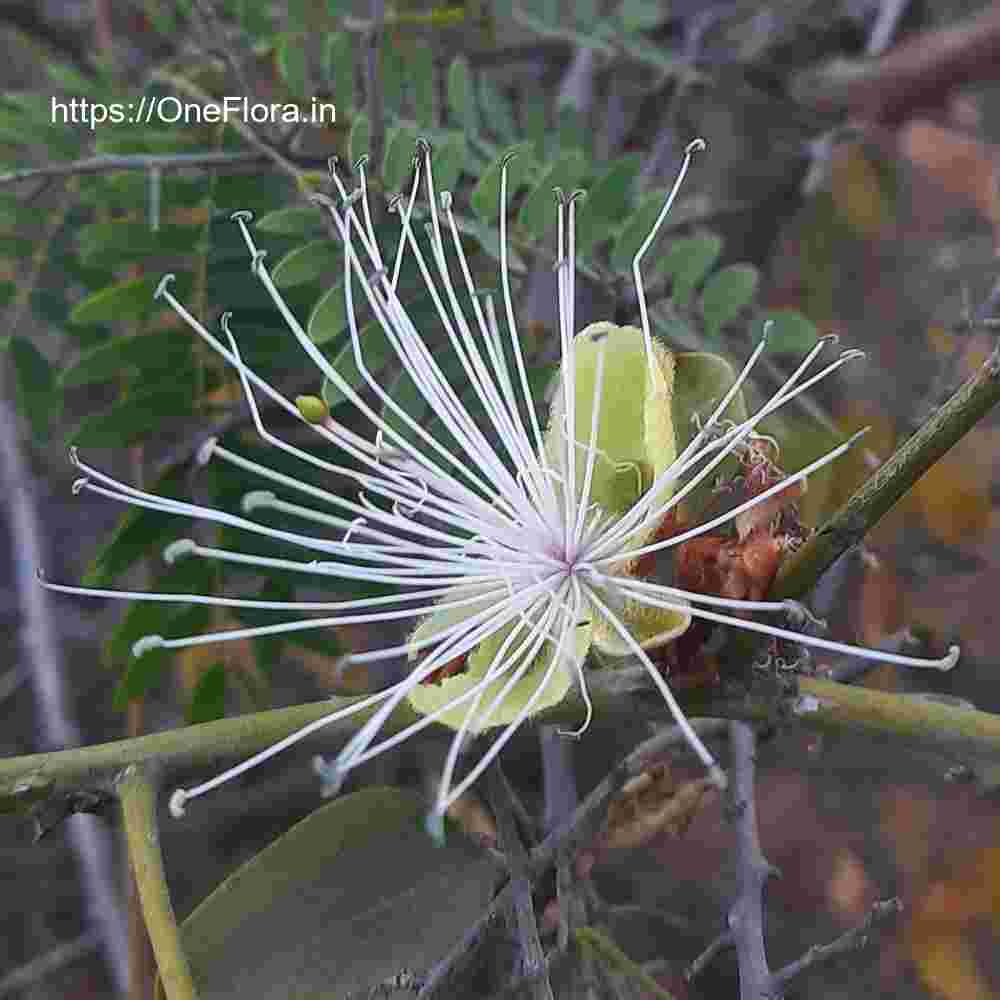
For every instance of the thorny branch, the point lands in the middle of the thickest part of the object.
(90, 842)
(139, 161)
(955, 418)
(746, 915)
(532, 956)
(852, 940)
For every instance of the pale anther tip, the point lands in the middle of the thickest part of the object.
(40, 574)
(718, 777)
(241, 215)
(445, 198)
(257, 498)
(177, 803)
(830, 338)
(361, 161)
(165, 282)
(224, 321)
(695, 146)
(578, 195)
(179, 549)
(949, 662)
(74, 455)
(560, 195)
(148, 642)
(206, 450)
(508, 159)
(79, 485)
(423, 146)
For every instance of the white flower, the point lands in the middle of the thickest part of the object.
(517, 549)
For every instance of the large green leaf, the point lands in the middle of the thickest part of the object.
(338, 904)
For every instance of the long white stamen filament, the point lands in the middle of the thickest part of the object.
(501, 663)
(447, 794)
(647, 596)
(692, 148)
(693, 740)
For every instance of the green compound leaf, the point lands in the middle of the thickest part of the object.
(538, 212)
(292, 65)
(128, 301)
(359, 141)
(498, 114)
(789, 332)
(610, 197)
(34, 383)
(139, 413)
(338, 68)
(320, 260)
(140, 532)
(421, 76)
(297, 221)
(311, 914)
(726, 293)
(486, 194)
(150, 353)
(461, 100)
(448, 161)
(641, 15)
(635, 230)
(686, 263)
(329, 316)
(398, 162)
(375, 352)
